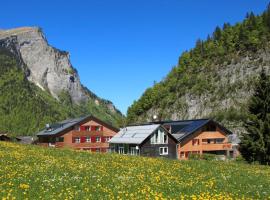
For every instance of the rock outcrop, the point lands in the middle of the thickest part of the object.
(47, 67)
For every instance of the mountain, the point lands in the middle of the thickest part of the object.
(39, 85)
(214, 79)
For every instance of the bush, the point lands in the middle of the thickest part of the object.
(204, 156)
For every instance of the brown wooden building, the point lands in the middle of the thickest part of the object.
(200, 136)
(85, 133)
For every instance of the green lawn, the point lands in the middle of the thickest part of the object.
(32, 172)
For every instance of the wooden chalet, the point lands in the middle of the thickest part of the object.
(84, 133)
(200, 136)
(147, 140)
(182, 139)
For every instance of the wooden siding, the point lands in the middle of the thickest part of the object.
(197, 143)
(152, 150)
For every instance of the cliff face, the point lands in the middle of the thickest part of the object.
(50, 69)
(226, 99)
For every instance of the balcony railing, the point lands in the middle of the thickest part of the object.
(216, 146)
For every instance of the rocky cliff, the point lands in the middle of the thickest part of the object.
(50, 69)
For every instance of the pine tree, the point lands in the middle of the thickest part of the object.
(226, 25)
(255, 145)
(217, 34)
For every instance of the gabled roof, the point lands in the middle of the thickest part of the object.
(182, 128)
(26, 139)
(66, 124)
(134, 134)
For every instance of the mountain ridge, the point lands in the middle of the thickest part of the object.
(51, 71)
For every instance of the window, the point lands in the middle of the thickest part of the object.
(107, 139)
(77, 128)
(187, 154)
(77, 140)
(165, 138)
(219, 140)
(121, 150)
(207, 141)
(98, 139)
(97, 128)
(88, 139)
(163, 150)
(195, 142)
(213, 141)
(87, 128)
(182, 155)
(159, 137)
(59, 139)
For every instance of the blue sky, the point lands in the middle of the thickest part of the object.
(121, 47)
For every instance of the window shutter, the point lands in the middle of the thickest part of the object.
(82, 128)
(93, 139)
(101, 128)
(93, 128)
(73, 139)
(83, 139)
(102, 139)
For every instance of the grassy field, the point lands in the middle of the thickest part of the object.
(31, 172)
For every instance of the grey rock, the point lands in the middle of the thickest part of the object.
(49, 68)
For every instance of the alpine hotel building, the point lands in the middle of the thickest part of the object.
(85, 133)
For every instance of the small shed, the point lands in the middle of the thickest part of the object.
(26, 139)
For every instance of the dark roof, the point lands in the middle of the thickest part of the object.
(66, 124)
(180, 129)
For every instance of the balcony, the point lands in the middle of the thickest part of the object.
(88, 133)
(216, 147)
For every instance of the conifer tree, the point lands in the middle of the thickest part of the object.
(217, 33)
(255, 144)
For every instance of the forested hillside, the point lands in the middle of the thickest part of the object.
(25, 108)
(214, 79)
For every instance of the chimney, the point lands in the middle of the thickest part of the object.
(48, 127)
